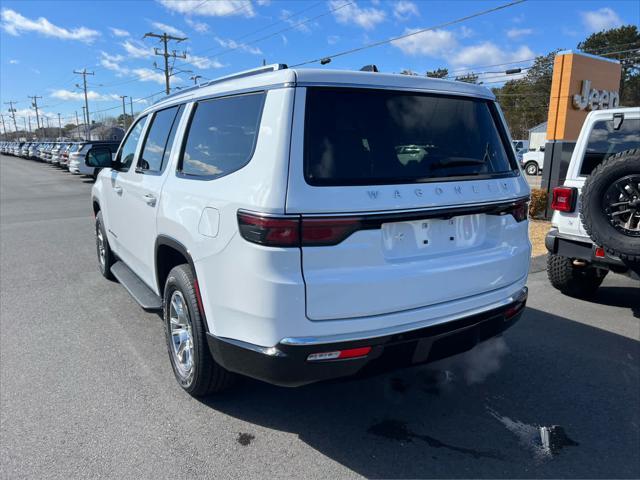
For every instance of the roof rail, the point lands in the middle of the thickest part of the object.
(245, 73)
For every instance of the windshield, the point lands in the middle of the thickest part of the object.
(360, 137)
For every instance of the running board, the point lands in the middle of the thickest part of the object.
(142, 294)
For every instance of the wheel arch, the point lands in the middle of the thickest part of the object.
(168, 253)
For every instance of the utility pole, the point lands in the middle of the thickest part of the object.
(124, 112)
(84, 119)
(131, 106)
(24, 120)
(84, 74)
(12, 111)
(35, 105)
(4, 129)
(59, 126)
(165, 40)
(29, 118)
(77, 123)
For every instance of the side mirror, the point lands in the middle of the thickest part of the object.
(99, 157)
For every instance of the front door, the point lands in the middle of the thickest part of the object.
(141, 187)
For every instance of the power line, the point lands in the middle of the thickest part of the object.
(407, 35)
(165, 38)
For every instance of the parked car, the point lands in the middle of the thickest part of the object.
(596, 222)
(533, 161)
(33, 150)
(24, 150)
(55, 152)
(63, 155)
(293, 245)
(78, 153)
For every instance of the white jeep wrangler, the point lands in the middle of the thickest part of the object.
(277, 221)
(596, 222)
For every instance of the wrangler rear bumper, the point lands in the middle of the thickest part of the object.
(287, 365)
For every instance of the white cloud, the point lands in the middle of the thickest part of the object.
(366, 18)
(232, 44)
(433, 43)
(285, 16)
(602, 19)
(488, 53)
(466, 32)
(199, 27)
(118, 32)
(168, 29)
(148, 75)
(404, 9)
(13, 61)
(519, 32)
(263, 3)
(112, 62)
(333, 39)
(137, 49)
(211, 8)
(79, 96)
(14, 24)
(203, 62)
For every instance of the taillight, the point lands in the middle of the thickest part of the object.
(270, 231)
(294, 231)
(564, 199)
(327, 231)
(520, 211)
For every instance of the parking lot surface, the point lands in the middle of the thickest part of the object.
(87, 389)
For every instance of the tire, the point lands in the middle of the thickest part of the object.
(600, 191)
(579, 282)
(196, 371)
(531, 168)
(105, 258)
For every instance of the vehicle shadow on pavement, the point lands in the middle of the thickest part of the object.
(488, 413)
(616, 296)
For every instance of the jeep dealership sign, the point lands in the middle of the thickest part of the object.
(594, 99)
(581, 83)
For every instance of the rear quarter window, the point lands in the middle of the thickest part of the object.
(365, 136)
(222, 135)
(605, 141)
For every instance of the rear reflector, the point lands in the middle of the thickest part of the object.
(564, 199)
(339, 354)
(600, 252)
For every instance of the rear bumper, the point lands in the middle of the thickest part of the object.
(556, 244)
(287, 364)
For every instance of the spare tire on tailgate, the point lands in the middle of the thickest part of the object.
(610, 209)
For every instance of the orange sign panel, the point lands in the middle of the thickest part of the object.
(580, 83)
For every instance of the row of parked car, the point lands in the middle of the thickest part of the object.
(68, 154)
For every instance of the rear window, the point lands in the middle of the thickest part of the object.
(605, 141)
(361, 137)
(222, 135)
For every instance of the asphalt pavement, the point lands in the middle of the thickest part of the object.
(86, 388)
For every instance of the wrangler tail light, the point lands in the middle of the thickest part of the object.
(564, 199)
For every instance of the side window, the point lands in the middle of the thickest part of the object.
(128, 150)
(222, 135)
(605, 141)
(157, 145)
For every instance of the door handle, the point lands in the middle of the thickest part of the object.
(118, 189)
(150, 199)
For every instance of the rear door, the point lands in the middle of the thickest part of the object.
(407, 199)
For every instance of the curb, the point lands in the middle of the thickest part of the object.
(538, 264)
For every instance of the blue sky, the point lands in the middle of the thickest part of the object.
(42, 42)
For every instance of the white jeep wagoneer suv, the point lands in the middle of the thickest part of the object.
(274, 220)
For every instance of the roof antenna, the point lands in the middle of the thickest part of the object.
(369, 68)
